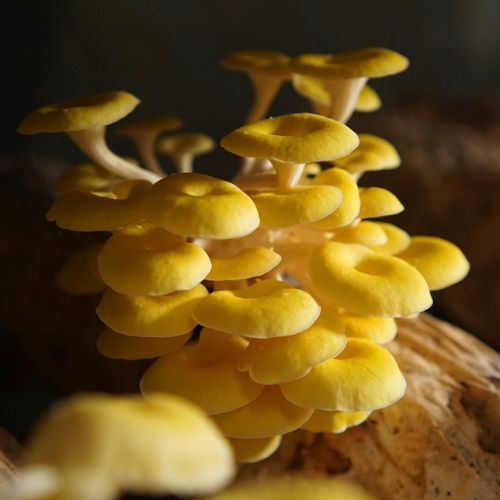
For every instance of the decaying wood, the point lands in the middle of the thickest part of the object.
(10, 451)
(442, 440)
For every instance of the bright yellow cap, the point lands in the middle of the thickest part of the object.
(254, 450)
(397, 239)
(259, 61)
(365, 233)
(83, 177)
(378, 202)
(334, 421)
(368, 100)
(378, 330)
(188, 142)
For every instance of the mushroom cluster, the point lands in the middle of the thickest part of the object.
(267, 301)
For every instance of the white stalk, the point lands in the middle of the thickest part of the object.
(288, 174)
(183, 162)
(266, 87)
(344, 96)
(145, 144)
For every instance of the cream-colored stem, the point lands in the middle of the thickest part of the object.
(287, 174)
(344, 96)
(319, 108)
(183, 162)
(92, 142)
(145, 144)
(265, 87)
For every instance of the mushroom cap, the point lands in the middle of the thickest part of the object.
(281, 359)
(397, 239)
(204, 372)
(334, 421)
(259, 61)
(142, 316)
(79, 275)
(295, 488)
(117, 346)
(127, 443)
(79, 114)
(440, 262)
(247, 263)
(363, 377)
(365, 233)
(194, 143)
(349, 208)
(268, 415)
(298, 205)
(110, 210)
(378, 202)
(312, 88)
(294, 138)
(368, 100)
(377, 330)
(269, 308)
(201, 206)
(150, 125)
(144, 260)
(371, 62)
(83, 177)
(254, 450)
(366, 282)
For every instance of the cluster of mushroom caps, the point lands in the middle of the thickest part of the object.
(294, 285)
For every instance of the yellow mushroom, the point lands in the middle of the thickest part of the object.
(378, 202)
(182, 148)
(440, 262)
(345, 74)
(267, 71)
(366, 282)
(281, 359)
(144, 260)
(144, 133)
(201, 206)
(334, 421)
(119, 206)
(267, 309)
(101, 445)
(378, 330)
(368, 100)
(117, 346)
(85, 120)
(79, 274)
(204, 372)
(365, 233)
(83, 177)
(249, 262)
(363, 377)
(291, 141)
(142, 316)
(254, 450)
(268, 415)
(397, 239)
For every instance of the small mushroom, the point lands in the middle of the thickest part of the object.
(144, 260)
(254, 450)
(397, 239)
(143, 316)
(83, 177)
(363, 377)
(368, 100)
(267, 71)
(85, 120)
(334, 421)
(182, 148)
(377, 330)
(378, 202)
(365, 233)
(269, 308)
(144, 132)
(204, 372)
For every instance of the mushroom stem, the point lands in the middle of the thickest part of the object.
(344, 96)
(145, 146)
(183, 163)
(288, 174)
(92, 142)
(266, 87)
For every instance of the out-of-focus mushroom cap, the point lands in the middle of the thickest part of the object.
(189, 142)
(117, 346)
(149, 125)
(281, 359)
(334, 421)
(349, 208)
(83, 177)
(365, 233)
(371, 62)
(378, 202)
(363, 377)
(368, 100)
(201, 206)
(311, 88)
(142, 316)
(267, 309)
(254, 450)
(259, 61)
(247, 263)
(378, 330)
(397, 239)
(144, 260)
(127, 443)
(440, 262)
(366, 282)
(268, 415)
(298, 205)
(295, 488)
(79, 114)
(110, 210)
(294, 138)
(204, 372)
(79, 275)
